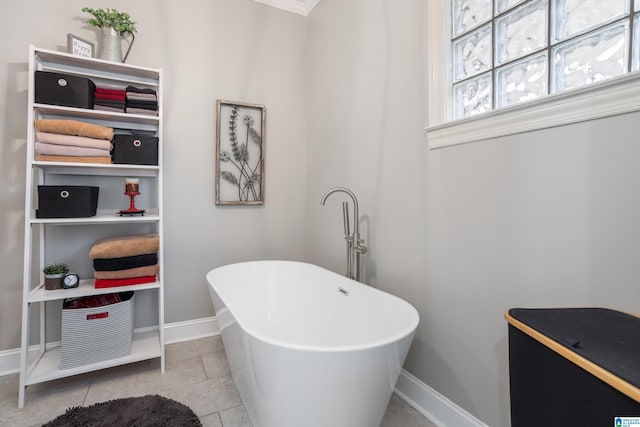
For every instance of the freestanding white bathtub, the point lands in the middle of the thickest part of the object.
(309, 347)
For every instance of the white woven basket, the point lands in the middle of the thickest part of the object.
(95, 334)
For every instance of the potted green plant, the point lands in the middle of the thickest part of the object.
(115, 26)
(120, 21)
(54, 275)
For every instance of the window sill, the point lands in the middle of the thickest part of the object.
(612, 97)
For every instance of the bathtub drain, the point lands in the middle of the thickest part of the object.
(343, 291)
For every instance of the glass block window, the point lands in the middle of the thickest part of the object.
(469, 14)
(597, 56)
(636, 42)
(474, 95)
(572, 17)
(474, 52)
(502, 5)
(521, 31)
(522, 80)
(505, 52)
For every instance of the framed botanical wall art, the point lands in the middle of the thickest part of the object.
(240, 149)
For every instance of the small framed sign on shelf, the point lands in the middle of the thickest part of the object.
(80, 47)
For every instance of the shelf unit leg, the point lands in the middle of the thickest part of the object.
(24, 354)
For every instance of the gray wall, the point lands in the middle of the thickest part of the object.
(547, 218)
(229, 49)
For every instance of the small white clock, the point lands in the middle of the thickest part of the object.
(71, 280)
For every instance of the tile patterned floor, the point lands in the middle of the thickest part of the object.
(196, 374)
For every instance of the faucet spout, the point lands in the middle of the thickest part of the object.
(350, 193)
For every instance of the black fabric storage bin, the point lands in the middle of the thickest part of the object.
(557, 359)
(63, 89)
(67, 201)
(135, 149)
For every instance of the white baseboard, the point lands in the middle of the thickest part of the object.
(437, 408)
(190, 330)
(9, 361)
(173, 332)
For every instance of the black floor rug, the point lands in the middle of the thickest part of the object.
(145, 411)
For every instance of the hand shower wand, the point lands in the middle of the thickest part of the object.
(348, 238)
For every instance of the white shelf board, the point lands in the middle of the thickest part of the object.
(50, 60)
(145, 345)
(101, 218)
(96, 115)
(110, 169)
(86, 288)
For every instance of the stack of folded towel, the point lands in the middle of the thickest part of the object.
(141, 101)
(109, 98)
(72, 141)
(125, 260)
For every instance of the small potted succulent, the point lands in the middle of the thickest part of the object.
(115, 26)
(54, 275)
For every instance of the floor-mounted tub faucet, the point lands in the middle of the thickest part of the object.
(355, 247)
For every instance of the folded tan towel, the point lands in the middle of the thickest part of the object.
(69, 150)
(123, 246)
(76, 159)
(76, 141)
(74, 127)
(149, 270)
